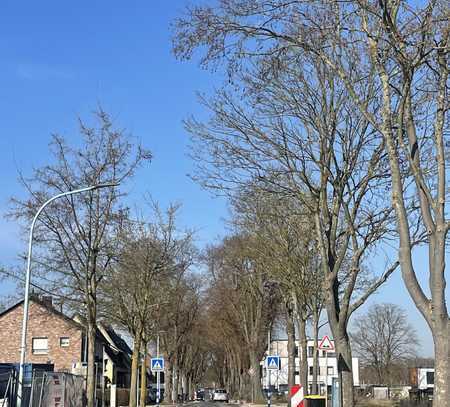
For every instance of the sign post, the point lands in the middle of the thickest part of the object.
(158, 377)
(273, 363)
(326, 345)
(157, 365)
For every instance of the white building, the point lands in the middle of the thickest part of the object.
(424, 378)
(327, 366)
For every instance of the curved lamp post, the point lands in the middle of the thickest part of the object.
(23, 344)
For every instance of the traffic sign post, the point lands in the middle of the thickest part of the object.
(273, 362)
(326, 345)
(157, 365)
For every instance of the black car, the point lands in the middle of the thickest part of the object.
(200, 395)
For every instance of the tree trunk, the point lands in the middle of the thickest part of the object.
(290, 331)
(441, 395)
(134, 371)
(190, 388)
(303, 354)
(143, 397)
(257, 396)
(314, 388)
(182, 385)
(174, 382)
(344, 353)
(168, 383)
(91, 328)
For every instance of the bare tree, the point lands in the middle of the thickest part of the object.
(153, 255)
(177, 322)
(225, 338)
(287, 121)
(285, 233)
(244, 294)
(74, 236)
(383, 339)
(396, 51)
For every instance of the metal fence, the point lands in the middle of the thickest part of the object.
(8, 387)
(54, 389)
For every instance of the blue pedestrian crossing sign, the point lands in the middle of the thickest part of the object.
(157, 364)
(273, 362)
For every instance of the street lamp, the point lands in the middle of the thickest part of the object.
(27, 280)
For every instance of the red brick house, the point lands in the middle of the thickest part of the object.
(54, 338)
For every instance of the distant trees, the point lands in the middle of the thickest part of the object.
(177, 324)
(242, 303)
(153, 257)
(384, 341)
(75, 235)
(286, 237)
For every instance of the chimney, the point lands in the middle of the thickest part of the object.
(47, 300)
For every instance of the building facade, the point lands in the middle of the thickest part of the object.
(52, 337)
(327, 367)
(56, 339)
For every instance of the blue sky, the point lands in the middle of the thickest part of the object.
(59, 60)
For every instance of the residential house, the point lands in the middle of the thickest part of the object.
(57, 339)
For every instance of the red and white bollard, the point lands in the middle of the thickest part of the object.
(297, 396)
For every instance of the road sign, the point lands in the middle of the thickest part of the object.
(297, 396)
(273, 362)
(326, 344)
(157, 364)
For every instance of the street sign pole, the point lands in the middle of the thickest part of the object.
(158, 383)
(326, 378)
(269, 394)
(325, 346)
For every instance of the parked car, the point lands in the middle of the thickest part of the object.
(200, 395)
(220, 395)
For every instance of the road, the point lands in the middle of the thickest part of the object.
(208, 404)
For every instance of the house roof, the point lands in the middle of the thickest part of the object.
(118, 340)
(45, 305)
(119, 358)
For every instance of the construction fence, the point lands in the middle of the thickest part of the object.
(43, 389)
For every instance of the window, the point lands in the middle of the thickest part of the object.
(311, 370)
(330, 371)
(331, 354)
(39, 346)
(64, 342)
(310, 351)
(430, 377)
(296, 351)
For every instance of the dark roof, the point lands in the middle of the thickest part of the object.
(118, 340)
(118, 358)
(45, 305)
